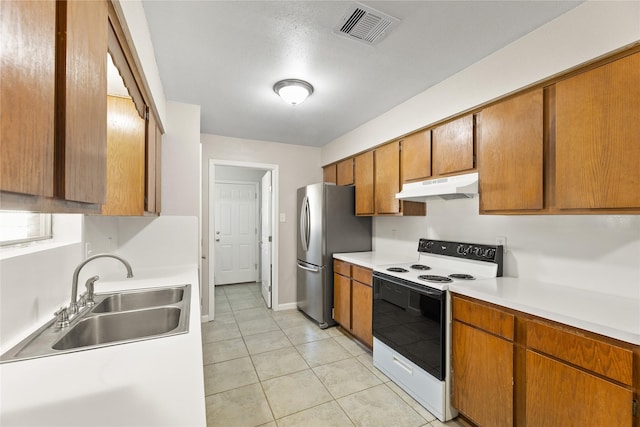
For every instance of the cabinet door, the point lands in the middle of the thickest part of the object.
(452, 147)
(125, 158)
(364, 183)
(560, 395)
(415, 156)
(510, 154)
(482, 366)
(330, 173)
(152, 167)
(27, 96)
(387, 178)
(345, 172)
(83, 102)
(158, 170)
(362, 300)
(598, 137)
(342, 300)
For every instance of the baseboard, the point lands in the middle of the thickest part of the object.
(204, 319)
(288, 306)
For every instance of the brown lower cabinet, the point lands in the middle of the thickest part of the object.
(482, 365)
(513, 369)
(353, 299)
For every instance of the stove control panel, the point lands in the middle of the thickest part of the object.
(471, 251)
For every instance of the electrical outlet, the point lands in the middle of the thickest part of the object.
(502, 241)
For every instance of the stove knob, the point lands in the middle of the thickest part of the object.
(429, 244)
(477, 251)
(460, 250)
(490, 253)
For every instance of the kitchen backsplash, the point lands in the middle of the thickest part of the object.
(595, 252)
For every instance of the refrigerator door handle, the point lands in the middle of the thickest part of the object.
(313, 270)
(304, 223)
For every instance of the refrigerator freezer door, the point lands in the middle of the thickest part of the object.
(310, 224)
(311, 291)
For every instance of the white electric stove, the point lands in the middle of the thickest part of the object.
(411, 316)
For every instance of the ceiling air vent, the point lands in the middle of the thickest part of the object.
(365, 24)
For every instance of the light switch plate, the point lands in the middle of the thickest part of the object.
(283, 217)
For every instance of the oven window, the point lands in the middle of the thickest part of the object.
(411, 323)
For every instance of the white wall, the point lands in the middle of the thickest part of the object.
(598, 252)
(298, 166)
(145, 242)
(181, 160)
(585, 32)
(595, 252)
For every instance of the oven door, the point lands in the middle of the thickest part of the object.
(410, 319)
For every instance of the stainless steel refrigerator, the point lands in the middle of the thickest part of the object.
(326, 225)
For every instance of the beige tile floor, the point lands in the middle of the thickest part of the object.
(277, 368)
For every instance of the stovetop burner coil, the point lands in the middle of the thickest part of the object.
(462, 276)
(435, 279)
(397, 269)
(420, 267)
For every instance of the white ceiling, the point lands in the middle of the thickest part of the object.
(226, 55)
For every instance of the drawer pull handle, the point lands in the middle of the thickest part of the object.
(403, 365)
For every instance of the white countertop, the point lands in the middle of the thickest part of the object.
(155, 382)
(374, 258)
(613, 316)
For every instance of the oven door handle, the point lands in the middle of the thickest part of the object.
(432, 294)
(403, 365)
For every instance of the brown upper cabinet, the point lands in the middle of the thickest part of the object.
(453, 149)
(56, 153)
(387, 178)
(341, 173)
(363, 170)
(597, 139)
(344, 175)
(377, 180)
(510, 154)
(415, 156)
(54, 105)
(125, 159)
(27, 97)
(330, 173)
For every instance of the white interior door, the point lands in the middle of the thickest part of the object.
(235, 233)
(265, 238)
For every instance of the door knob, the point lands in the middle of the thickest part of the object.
(217, 240)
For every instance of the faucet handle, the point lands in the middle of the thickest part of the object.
(82, 300)
(90, 285)
(62, 317)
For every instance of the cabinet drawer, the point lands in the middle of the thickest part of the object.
(598, 356)
(484, 317)
(341, 267)
(362, 275)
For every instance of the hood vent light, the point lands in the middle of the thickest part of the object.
(365, 24)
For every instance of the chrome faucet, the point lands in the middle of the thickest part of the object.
(73, 307)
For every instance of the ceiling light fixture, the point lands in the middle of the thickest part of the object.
(293, 91)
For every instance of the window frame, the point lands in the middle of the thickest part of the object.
(46, 230)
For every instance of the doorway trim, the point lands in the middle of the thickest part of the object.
(274, 168)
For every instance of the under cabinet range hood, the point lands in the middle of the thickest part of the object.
(452, 187)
